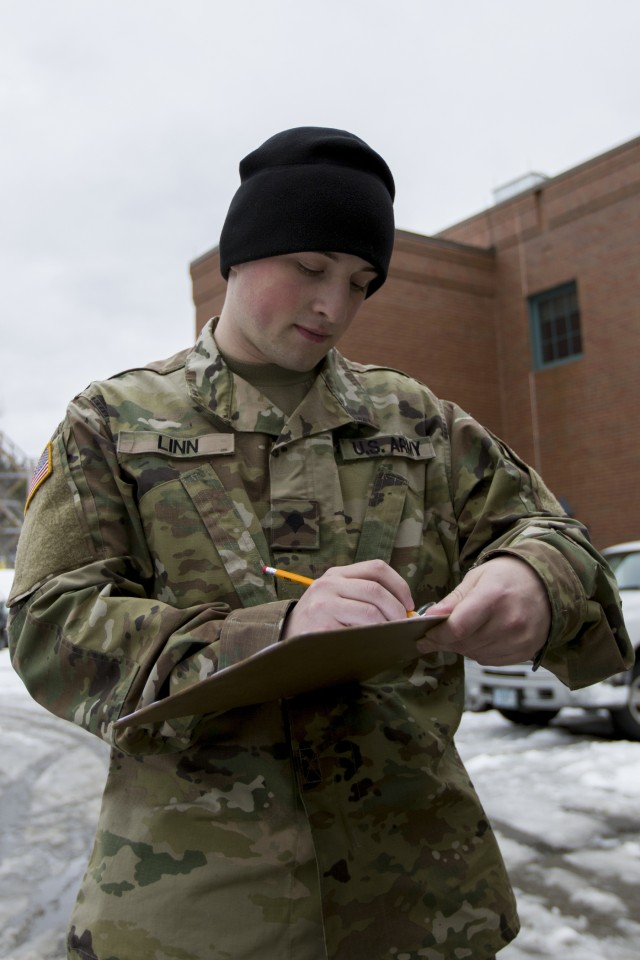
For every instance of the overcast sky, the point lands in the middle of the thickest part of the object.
(122, 123)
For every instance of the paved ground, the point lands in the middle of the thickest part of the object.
(564, 802)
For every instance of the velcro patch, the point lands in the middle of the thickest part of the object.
(168, 446)
(386, 446)
(295, 525)
(42, 470)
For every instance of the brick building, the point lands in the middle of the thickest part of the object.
(528, 316)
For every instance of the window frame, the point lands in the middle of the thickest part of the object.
(534, 302)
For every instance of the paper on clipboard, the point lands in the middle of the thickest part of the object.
(308, 662)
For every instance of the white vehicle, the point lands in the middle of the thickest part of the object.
(535, 697)
(6, 579)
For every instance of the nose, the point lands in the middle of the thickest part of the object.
(332, 301)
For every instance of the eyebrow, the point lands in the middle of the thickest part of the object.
(335, 257)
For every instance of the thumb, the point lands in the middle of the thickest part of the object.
(448, 604)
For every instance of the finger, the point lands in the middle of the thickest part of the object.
(458, 594)
(323, 609)
(383, 604)
(466, 623)
(375, 571)
(352, 612)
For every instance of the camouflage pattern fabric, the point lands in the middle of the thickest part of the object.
(336, 826)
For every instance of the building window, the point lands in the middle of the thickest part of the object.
(555, 326)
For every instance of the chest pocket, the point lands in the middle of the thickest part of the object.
(236, 533)
(382, 516)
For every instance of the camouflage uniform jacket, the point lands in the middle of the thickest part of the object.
(340, 824)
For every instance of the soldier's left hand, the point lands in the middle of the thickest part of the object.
(499, 614)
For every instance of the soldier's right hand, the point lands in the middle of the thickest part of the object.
(356, 595)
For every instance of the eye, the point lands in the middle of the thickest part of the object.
(360, 286)
(309, 271)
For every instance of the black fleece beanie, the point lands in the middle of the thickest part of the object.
(311, 188)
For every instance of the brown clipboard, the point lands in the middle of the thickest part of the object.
(311, 661)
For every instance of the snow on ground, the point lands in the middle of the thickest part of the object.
(564, 802)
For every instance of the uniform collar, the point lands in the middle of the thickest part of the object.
(336, 398)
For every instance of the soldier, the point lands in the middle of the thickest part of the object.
(339, 824)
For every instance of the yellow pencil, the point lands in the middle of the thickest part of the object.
(276, 572)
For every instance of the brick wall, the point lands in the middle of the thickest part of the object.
(585, 226)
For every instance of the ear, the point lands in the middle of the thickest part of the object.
(233, 273)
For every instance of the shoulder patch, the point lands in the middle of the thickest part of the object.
(42, 470)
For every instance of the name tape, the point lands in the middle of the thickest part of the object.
(387, 446)
(169, 446)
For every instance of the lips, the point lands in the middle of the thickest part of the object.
(314, 336)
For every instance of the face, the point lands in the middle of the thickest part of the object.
(291, 309)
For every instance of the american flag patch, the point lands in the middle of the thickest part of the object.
(43, 469)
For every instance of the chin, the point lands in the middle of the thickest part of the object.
(305, 365)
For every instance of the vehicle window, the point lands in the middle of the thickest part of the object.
(626, 567)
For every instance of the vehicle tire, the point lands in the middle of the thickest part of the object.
(626, 722)
(530, 718)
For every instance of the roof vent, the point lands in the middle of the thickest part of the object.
(514, 187)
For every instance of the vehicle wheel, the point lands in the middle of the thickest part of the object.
(530, 718)
(626, 722)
